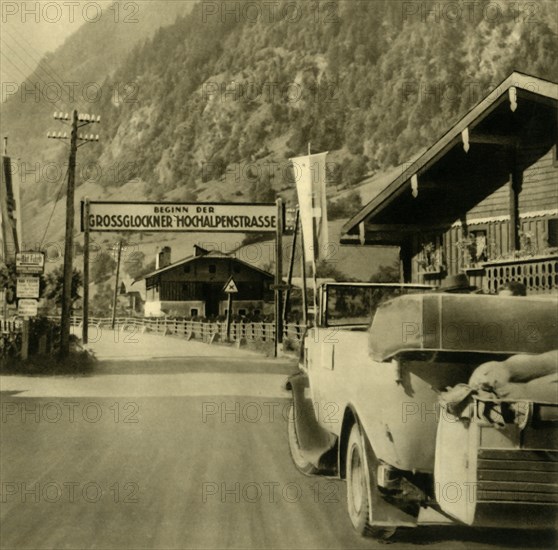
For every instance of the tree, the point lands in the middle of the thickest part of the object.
(353, 170)
(387, 274)
(326, 270)
(8, 278)
(101, 305)
(144, 270)
(133, 265)
(261, 190)
(345, 206)
(102, 268)
(54, 283)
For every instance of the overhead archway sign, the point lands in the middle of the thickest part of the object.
(199, 217)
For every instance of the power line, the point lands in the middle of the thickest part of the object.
(32, 72)
(13, 65)
(41, 61)
(54, 208)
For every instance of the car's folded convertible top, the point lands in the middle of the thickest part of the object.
(465, 323)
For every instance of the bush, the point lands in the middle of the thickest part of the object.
(78, 363)
(266, 348)
(289, 344)
(345, 207)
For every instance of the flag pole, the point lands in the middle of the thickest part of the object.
(303, 273)
(291, 268)
(314, 268)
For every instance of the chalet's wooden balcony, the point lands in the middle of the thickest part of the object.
(538, 273)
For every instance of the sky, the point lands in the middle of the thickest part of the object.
(31, 28)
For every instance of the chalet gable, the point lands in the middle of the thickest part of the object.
(494, 143)
(201, 254)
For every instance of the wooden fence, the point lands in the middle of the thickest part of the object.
(43, 338)
(10, 340)
(11, 336)
(9, 327)
(204, 331)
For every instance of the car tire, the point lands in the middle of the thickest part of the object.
(297, 456)
(358, 482)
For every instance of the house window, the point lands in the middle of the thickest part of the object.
(474, 247)
(431, 257)
(242, 312)
(212, 268)
(553, 232)
(480, 245)
(194, 312)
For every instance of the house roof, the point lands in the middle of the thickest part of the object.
(205, 254)
(517, 86)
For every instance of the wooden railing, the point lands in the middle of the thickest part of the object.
(204, 331)
(42, 338)
(9, 326)
(538, 274)
(10, 340)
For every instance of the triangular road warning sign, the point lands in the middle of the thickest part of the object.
(230, 287)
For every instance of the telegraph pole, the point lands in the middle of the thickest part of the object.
(115, 296)
(69, 239)
(69, 244)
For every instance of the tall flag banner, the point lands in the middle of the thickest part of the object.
(310, 178)
(10, 210)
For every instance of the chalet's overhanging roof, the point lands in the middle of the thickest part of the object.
(517, 83)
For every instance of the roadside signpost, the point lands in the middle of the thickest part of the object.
(29, 267)
(30, 263)
(27, 287)
(27, 307)
(229, 289)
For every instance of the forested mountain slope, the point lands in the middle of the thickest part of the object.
(218, 103)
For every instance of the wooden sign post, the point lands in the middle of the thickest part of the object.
(29, 267)
(85, 328)
(278, 278)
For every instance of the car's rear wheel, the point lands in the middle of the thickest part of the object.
(300, 462)
(358, 483)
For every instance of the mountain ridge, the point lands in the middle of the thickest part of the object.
(219, 105)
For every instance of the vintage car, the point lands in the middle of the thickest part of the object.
(366, 408)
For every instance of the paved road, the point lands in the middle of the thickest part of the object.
(141, 456)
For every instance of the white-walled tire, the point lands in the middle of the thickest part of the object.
(358, 484)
